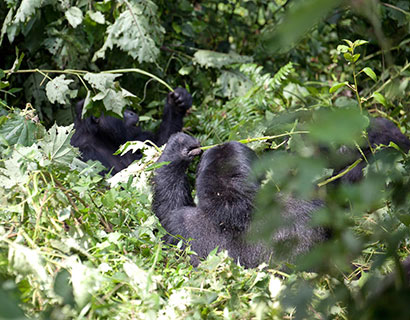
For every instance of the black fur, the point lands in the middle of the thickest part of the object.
(226, 194)
(99, 138)
(380, 131)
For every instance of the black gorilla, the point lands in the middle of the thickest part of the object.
(380, 131)
(99, 138)
(226, 195)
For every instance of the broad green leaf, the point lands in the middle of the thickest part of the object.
(379, 98)
(337, 86)
(213, 59)
(57, 90)
(301, 18)
(97, 16)
(355, 57)
(56, 145)
(19, 130)
(348, 56)
(342, 48)
(63, 287)
(74, 16)
(370, 73)
(338, 126)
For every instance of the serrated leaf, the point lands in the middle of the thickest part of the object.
(114, 101)
(136, 31)
(379, 98)
(213, 59)
(56, 145)
(19, 130)
(101, 81)
(370, 73)
(57, 90)
(337, 86)
(74, 16)
(17, 168)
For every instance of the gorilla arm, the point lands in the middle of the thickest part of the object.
(176, 105)
(170, 183)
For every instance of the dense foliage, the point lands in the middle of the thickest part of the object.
(74, 244)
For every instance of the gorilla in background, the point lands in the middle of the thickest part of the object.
(98, 138)
(380, 131)
(226, 194)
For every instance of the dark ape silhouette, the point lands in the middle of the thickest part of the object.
(380, 131)
(98, 138)
(226, 193)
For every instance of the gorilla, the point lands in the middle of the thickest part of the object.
(98, 138)
(226, 192)
(380, 131)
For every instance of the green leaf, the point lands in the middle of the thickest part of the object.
(27, 261)
(233, 84)
(358, 43)
(57, 90)
(350, 43)
(27, 9)
(342, 48)
(63, 287)
(337, 86)
(348, 56)
(19, 130)
(74, 16)
(136, 31)
(302, 16)
(97, 16)
(343, 125)
(379, 98)
(356, 57)
(56, 145)
(101, 81)
(370, 73)
(213, 59)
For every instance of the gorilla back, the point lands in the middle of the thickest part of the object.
(98, 138)
(226, 194)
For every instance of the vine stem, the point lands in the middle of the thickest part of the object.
(83, 72)
(356, 90)
(245, 141)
